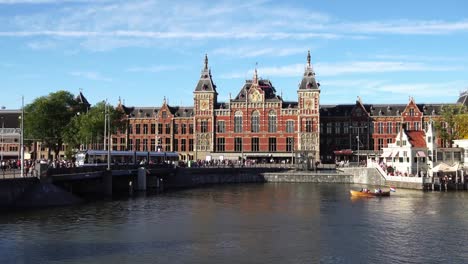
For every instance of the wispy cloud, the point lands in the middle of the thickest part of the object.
(343, 68)
(247, 52)
(396, 92)
(405, 27)
(15, 2)
(95, 76)
(154, 68)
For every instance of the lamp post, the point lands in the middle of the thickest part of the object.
(22, 137)
(3, 128)
(358, 139)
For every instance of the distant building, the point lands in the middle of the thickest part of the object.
(10, 134)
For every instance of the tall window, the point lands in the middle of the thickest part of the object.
(191, 129)
(130, 129)
(272, 144)
(411, 112)
(153, 144)
(137, 144)
(168, 129)
(380, 143)
(255, 122)
(329, 128)
(337, 128)
(145, 129)
(204, 126)
(272, 121)
(255, 144)
(221, 126)
(183, 144)
(164, 114)
(237, 144)
(308, 125)
(290, 126)
(176, 144)
(289, 144)
(416, 126)
(238, 122)
(153, 129)
(190, 144)
(220, 144)
(398, 126)
(160, 129)
(184, 129)
(346, 128)
(176, 128)
(389, 128)
(380, 128)
(167, 146)
(145, 144)
(130, 144)
(137, 129)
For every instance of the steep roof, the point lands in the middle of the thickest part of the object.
(265, 85)
(146, 112)
(81, 99)
(205, 84)
(416, 138)
(463, 99)
(308, 80)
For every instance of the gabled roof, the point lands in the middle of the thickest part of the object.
(264, 85)
(308, 80)
(416, 138)
(463, 99)
(81, 99)
(147, 112)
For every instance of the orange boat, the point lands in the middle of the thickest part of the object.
(369, 194)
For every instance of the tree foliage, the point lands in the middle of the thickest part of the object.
(462, 125)
(88, 127)
(450, 127)
(46, 117)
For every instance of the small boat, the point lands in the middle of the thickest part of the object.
(369, 193)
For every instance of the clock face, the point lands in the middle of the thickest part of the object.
(309, 103)
(204, 104)
(255, 96)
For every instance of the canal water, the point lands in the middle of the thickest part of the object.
(247, 223)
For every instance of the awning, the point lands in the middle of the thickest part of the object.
(395, 154)
(421, 153)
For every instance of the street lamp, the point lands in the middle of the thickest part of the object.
(358, 139)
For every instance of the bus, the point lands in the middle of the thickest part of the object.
(99, 158)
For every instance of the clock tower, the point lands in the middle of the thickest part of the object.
(205, 98)
(309, 117)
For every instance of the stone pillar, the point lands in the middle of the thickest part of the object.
(141, 179)
(107, 182)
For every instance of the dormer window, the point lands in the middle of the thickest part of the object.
(205, 87)
(411, 112)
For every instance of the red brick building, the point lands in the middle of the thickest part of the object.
(256, 124)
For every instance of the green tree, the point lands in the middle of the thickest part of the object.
(448, 127)
(462, 125)
(89, 126)
(47, 116)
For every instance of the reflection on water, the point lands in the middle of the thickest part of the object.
(251, 223)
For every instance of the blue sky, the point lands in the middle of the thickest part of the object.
(141, 51)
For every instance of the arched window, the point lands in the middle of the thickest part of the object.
(272, 121)
(255, 122)
(238, 122)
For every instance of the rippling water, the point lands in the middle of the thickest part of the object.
(251, 223)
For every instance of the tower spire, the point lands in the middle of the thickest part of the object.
(255, 77)
(206, 61)
(308, 58)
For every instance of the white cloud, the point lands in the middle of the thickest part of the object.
(154, 68)
(343, 68)
(405, 27)
(247, 52)
(95, 76)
